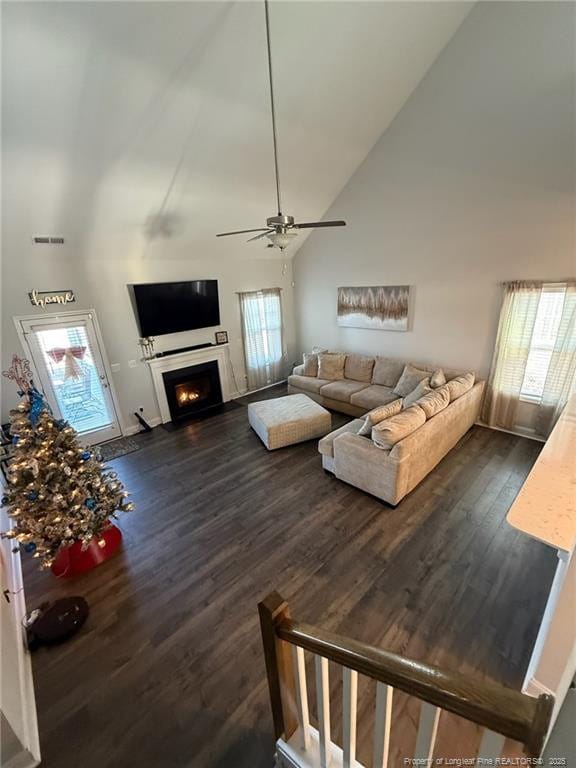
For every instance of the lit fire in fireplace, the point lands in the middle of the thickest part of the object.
(187, 396)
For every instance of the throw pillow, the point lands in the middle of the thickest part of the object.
(376, 415)
(359, 368)
(387, 372)
(422, 389)
(460, 385)
(331, 366)
(389, 432)
(435, 401)
(310, 364)
(409, 380)
(438, 379)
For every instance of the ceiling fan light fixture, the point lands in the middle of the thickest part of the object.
(282, 239)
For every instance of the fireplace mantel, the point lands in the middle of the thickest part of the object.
(158, 365)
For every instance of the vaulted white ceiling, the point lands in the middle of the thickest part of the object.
(116, 111)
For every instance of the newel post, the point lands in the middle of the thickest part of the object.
(278, 656)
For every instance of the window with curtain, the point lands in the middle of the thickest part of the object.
(263, 336)
(535, 354)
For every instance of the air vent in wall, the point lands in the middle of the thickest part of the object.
(48, 240)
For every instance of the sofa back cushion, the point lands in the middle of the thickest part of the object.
(460, 385)
(390, 431)
(419, 391)
(435, 401)
(331, 365)
(438, 378)
(409, 380)
(376, 415)
(310, 364)
(359, 368)
(386, 371)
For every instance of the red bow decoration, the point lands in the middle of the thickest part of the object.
(58, 353)
(72, 370)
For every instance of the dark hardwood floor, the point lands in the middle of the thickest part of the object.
(168, 670)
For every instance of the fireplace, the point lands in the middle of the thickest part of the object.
(193, 389)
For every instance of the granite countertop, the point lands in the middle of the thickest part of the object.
(545, 508)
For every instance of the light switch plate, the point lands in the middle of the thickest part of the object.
(115, 367)
(132, 363)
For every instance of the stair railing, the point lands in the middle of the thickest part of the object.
(503, 712)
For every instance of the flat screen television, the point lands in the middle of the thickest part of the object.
(173, 307)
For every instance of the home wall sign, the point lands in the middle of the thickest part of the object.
(47, 298)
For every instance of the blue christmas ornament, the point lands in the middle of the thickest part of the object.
(4, 500)
(37, 405)
(85, 455)
(90, 503)
(30, 547)
(32, 495)
(15, 439)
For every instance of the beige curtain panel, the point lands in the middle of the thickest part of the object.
(262, 333)
(513, 344)
(561, 378)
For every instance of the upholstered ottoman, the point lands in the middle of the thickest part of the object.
(288, 420)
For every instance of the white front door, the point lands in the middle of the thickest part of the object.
(69, 361)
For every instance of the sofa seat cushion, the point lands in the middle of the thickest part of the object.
(386, 371)
(373, 396)
(308, 383)
(326, 444)
(390, 431)
(342, 390)
(359, 368)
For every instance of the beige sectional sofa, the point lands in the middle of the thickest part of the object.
(358, 460)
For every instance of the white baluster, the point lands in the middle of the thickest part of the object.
(427, 729)
(323, 701)
(350, 695)
(382, 723)
(301, 694)
(491, 745)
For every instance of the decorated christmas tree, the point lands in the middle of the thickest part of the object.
(59, 492)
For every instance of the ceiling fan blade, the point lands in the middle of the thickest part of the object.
(268, 231)
(313, 224)
(242, 232)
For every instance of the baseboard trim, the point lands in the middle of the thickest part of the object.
(22, 760)
(511, 432)
(260, 389)
(134, 429)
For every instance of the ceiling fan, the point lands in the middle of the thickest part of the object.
(279, 229)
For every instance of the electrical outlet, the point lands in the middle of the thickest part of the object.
(132, 364)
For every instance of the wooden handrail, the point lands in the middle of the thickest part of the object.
(504, 710)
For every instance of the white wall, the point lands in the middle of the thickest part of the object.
(102, 285)
(113, 112)
(472, 184)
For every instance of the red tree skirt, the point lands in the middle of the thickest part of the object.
(73, 560)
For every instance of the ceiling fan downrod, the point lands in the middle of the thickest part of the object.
(272, 106)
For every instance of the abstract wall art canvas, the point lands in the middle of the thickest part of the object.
(383, 307)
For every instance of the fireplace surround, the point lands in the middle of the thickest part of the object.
(179, 361)
(192, 389)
